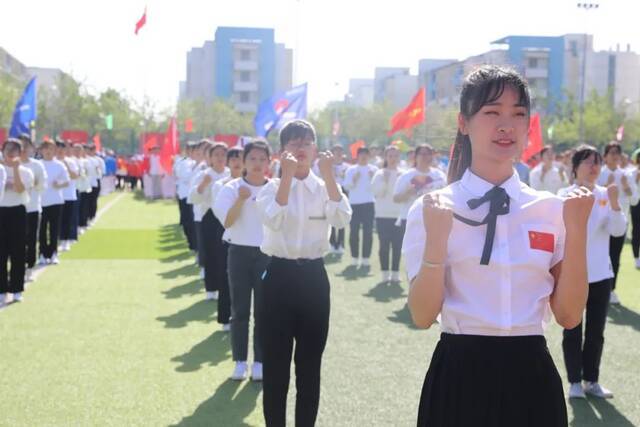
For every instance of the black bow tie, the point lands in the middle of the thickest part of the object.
(498, 205)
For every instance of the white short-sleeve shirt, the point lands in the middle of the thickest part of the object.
(510, 295)
(56, 174)
(39, 184)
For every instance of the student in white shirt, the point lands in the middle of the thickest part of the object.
(34, 207)
(546, 176)
(607, 219)
(95, 172)
(634, 177)
(357, 182)
(421, 179)
(155, 172)
(68, 226)
(205, 220)
(297, 211)
(84, 186)
(201, 166)
(489, 255)
(611, 173)
(235, 207)
(389, 226)
(221, 247)
(336, 240)
(184, 173)
(52, 203)
(13, 221)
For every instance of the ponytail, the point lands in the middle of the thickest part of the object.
(460, 158)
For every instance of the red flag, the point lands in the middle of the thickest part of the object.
(97, 142)
(535, 144)
(354, 148)
(541, 241)
(411, 115)
(151, 140)
(141, 21)
(620, 133)
(188, 125)
(171, 146)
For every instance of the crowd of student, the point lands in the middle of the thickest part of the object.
(48, 197)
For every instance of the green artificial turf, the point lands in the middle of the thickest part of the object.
(119, 334)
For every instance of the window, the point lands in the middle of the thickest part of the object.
(245, 55)
(533, 63)
(244, 97)
(245, 76)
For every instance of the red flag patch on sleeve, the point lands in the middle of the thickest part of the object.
(541, 241)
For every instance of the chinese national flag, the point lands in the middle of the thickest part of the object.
(535, 144)
(141, 21)
(171, 146)
(151, 141)
(413, 114)
(541, 241)
(97, 142)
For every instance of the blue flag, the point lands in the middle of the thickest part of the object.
(25, 112)
(281, 108)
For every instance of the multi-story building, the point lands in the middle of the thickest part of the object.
(11, 66)
(394, 85)
(360, 92)
(242, 65)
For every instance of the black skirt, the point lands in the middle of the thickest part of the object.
(486, 381)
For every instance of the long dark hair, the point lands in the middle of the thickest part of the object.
(582, 153)
(483, 86)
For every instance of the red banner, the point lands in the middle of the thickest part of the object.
(75, 136)
(151, 139)
(3, 135)
(230, 140)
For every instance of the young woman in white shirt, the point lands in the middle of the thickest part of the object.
(206, 223)
(336, 240)
(389, 226)
(235, 207)
(607, 219)
(612, 173)
(546, 176)
(52, 203)
(69, 226)
(13, 221)
(421, 179)
(357, 182)
(34, 207)
(492, 257)
(221, 247)
(297, 211)
(635, 209)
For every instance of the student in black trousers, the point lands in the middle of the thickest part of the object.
(15, 183)
(297, 212)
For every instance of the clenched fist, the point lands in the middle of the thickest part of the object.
(577, 208)
(288, 164)
(244, 193)
(325, 163)
(437, 217)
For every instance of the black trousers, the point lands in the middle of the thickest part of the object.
(222, 280)
(583, 360)
(187, 223)
(363, 215)
(635, 230)
(83, 218)
(13, 233)
(336, 240)
(75, 219)
(50, 230)
(66, 223)
(296, 308)
(207, 249)
(31, 243)
(390, 236)
(615, 249)
(197, 235)
(490, 381)
(93, 201)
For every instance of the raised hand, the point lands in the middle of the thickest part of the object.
(325, 163)
(437, 217)
(244, 193)
(577, 208)
(288, 164)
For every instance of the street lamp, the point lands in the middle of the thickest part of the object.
(584, 6)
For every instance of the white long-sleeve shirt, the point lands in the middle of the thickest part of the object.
(39, 185)
(383, 193)
(603, 222)
(625, 200)
(247, 229)
(3, 181)
(360, 191)
(69, 192)
(551, 182)
(301, 228)
(184, 172)
(202, 201)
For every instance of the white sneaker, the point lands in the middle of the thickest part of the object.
(613, 298)
(3, 299)
(355, 262)
(596, 390)
(395, 276)
(340, 250)
(386, 276)
(42, 260)
(68, 247)
(365, 262)
(256, 371)
(226, 327)
(54, 259)
(576, 391)
(28, 275)
(240, 371)
(17, 297)
(638, 263)
(202, 273)
(209, 296)
(215, 295)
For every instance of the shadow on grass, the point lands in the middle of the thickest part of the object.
(227, 407)
(181, 256)
(621, 315)
(191, 288)
(138, 195)
(596, 412)
(403, 316)
(332, 259)
(202, 311)
(210, 352)
(183, 270)
(386, 292)
(351, 273)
